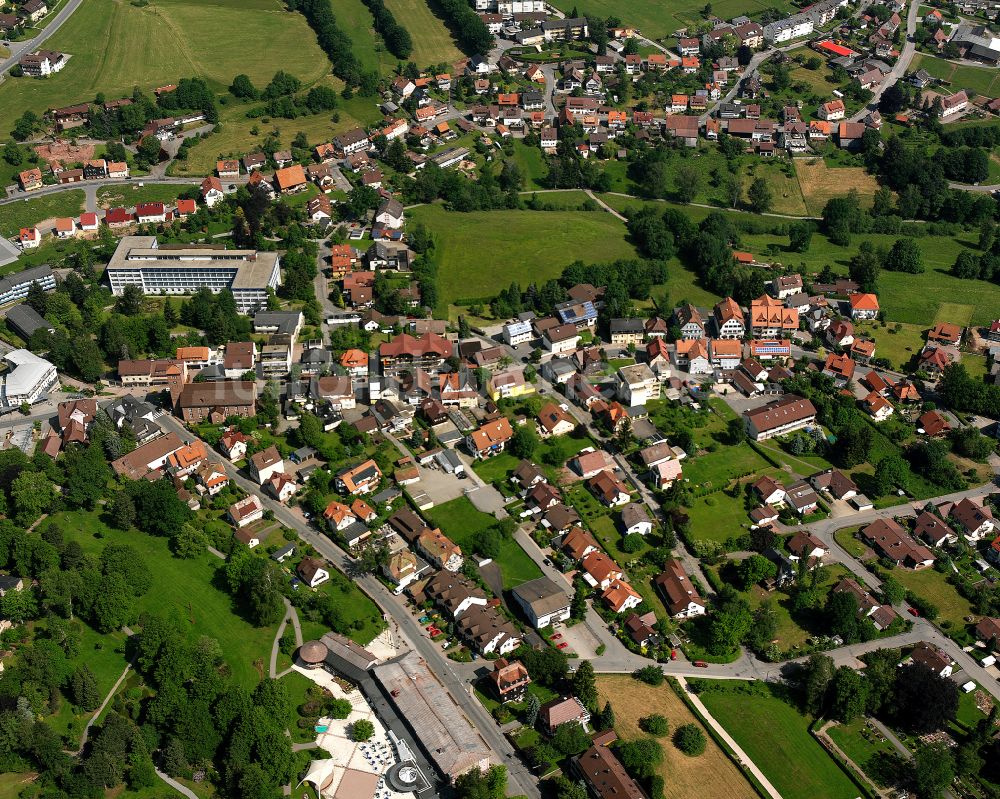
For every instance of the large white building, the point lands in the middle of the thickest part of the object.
(141, 261)
(14, 287)
(28, 379)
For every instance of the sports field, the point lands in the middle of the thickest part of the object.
(776, 738)
(981, 80)
(819, 183)
(116, 46)
(482, 252)
(709, 774)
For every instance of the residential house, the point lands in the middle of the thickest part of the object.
(265, 463)
(490, 439)
(246, 511)
(635, 519)
(312, 571)
(361, 479)
(890, 540)
(679, 595)
(609, 489)
(543, 602)
(779, 417)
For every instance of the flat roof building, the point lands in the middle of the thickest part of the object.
(28, 379)
(438, 724)
(141, 261)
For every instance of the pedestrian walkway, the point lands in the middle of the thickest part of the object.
(741, 756)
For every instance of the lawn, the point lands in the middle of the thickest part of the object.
(460, 521)
(130, 194)
(819, 183)
(979, 79)
(13, 783)
(116, 45)
(901, 346)
(184, 589)
(711, 774)
(865, 752)
(775, 735)
(846, 538)
(482, 252)
(933, 586)
(30, 212)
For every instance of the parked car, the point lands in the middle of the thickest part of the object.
(563, 645)
(700, 664)
(913, 611)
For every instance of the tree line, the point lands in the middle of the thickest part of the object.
(396, 37)
(471, 32)
(336, 44)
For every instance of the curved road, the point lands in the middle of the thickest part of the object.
(901, 65)
(18, 49)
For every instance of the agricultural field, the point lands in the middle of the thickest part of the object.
(783, 748)
(981, 80)
(116, 45)
(480, 253)
(355, 19)
(29, 212)
(710, 774)
(819, 183)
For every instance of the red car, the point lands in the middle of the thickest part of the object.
(563, 645)
(430, 628)
(557, 636)
(913, 611)
(700, 664)
(673, 654)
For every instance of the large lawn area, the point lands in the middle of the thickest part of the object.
(711, 774)
(933, 586)
(30, 212)
(482, 252)
(116, 45)
(775, 735)
(130, 194)
(819, 183)
(981, 80)
(184, 589)
(460, 521)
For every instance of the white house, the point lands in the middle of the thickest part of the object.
(636, 384)
(265, 463)
(635, 519)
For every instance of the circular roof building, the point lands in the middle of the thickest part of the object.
(312, 653)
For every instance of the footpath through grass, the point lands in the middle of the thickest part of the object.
(775, 735)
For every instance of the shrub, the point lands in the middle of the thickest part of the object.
(654, 724)
(651, 675)
(690, 739)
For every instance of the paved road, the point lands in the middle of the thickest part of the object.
(901, 65)
(410, 632)
(18, 49)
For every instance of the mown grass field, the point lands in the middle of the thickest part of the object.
(29, 212)
(980, 79)
(785, 189)
(116, 45)
(131, 193)
(432, 42)
(183, 589)
(863, 751)
(480, 253)
(933, 586)
(710, 774)
(819, 183)
(775, 735)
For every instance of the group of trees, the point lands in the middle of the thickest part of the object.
(962, 392)
(489, 191)
(337, 45)
(624, 280)
(396, 37)
(282, 97)
(469, 29)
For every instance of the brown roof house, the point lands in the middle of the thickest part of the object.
(509, 680)
(679, 594)
(568, 710)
